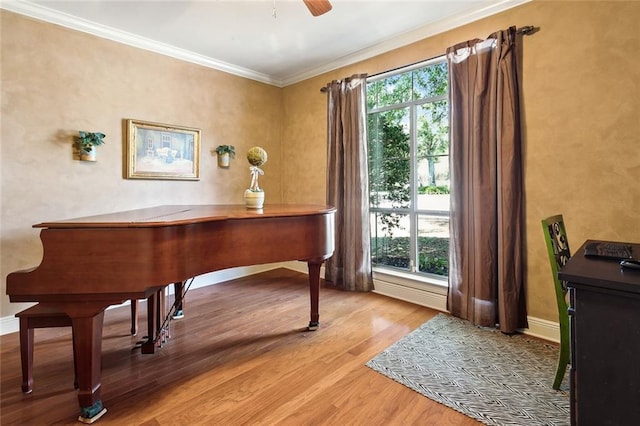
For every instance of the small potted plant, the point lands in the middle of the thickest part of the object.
(86, 143)
(225, 153)
(254, 196)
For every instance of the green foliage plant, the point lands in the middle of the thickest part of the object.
(87, 140)
(389, 160)
(433, 190)
(226, 149)
(433, 253)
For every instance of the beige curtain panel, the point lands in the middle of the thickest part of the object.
(347, 184)
(486, 271)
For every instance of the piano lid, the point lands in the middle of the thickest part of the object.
(184, 214)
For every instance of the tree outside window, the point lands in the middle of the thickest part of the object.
(408, 137)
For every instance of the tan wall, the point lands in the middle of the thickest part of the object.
(56, 81)
(581, 103)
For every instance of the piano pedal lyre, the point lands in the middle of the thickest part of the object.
(163, 335)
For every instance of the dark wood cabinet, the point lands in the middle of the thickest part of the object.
(605, 340)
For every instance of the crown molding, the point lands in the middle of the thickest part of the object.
(48, 15)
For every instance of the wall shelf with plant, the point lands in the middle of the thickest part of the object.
(86, 143)
(225, 154)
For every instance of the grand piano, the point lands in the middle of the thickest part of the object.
(93, 262)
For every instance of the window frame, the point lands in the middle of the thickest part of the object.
(401, 275)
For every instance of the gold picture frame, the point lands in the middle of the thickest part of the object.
(162, 151)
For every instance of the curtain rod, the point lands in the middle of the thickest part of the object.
(526, 30)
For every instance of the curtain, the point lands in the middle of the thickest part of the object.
(347, 184)
(486, 268)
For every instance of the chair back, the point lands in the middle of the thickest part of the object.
(555, 236)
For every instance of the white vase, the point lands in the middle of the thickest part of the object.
(88, 156)
(253, 199)
(223, 160)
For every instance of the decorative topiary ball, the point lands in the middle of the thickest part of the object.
(257, 156)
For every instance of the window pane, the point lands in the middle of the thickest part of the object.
(408, 131)
(389, 159)
(433, 244)
(433, 156)
(433, 198)
(390, 240)
(373, 90)
(394, 90)
(430, 82)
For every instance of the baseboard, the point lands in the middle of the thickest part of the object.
(423, 295)
(544, 329)
(10, 324)
(436, 299)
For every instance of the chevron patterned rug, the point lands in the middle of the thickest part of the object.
(487, 375)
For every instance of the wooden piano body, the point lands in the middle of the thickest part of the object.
(93, 262)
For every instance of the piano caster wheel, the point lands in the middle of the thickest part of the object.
(313, 325)
(91, 414)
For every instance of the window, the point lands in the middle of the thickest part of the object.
(408, 143)
(166, 140)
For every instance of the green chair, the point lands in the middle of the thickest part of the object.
(555, 236)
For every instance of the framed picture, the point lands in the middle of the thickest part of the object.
(162, 151)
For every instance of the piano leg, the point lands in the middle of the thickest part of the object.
(87, 346)
(178, 288)
(314, 290)
(134, 316)
(154, 320)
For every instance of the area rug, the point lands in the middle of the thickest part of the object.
(495, 378)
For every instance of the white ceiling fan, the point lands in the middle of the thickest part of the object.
(318, 7)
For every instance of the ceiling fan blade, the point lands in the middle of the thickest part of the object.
(318, 7)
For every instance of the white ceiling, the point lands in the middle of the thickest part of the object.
(275, 42)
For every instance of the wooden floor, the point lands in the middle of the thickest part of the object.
(241, 356)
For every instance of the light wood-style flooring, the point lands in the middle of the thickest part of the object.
(241, 356)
